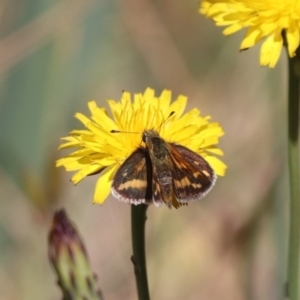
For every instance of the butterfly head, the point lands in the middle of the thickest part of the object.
(157, 147)
(148, 135)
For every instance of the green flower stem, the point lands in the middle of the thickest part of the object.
(293, 150)
(138, 220)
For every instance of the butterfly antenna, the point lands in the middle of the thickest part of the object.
(164, 121)
(119, 131)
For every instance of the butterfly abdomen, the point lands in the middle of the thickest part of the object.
(162, 185)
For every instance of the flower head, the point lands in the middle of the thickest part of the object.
(267, 20)
(100, 150)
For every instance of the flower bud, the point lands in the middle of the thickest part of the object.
(70, 261)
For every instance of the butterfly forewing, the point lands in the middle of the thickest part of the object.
(131, 180)
(192, 176)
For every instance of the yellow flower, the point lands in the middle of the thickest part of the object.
(98, 150)
(265, 19)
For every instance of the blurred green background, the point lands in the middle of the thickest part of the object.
(55, 56)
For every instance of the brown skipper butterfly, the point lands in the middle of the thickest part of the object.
(162, 172)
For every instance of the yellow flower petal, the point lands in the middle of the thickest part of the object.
(292, 35)
(103, 184)
(217, 165)
(85, 171)
(270, 50)
(232, 29)
(178, 106)
(215, 150)
(164, 102)
(172, 129)
(100, 116)
(71, 144)
(253, 36)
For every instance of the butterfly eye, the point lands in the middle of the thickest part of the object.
(144, 137)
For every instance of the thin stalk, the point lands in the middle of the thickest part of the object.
(293, 152)
(138, 220)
